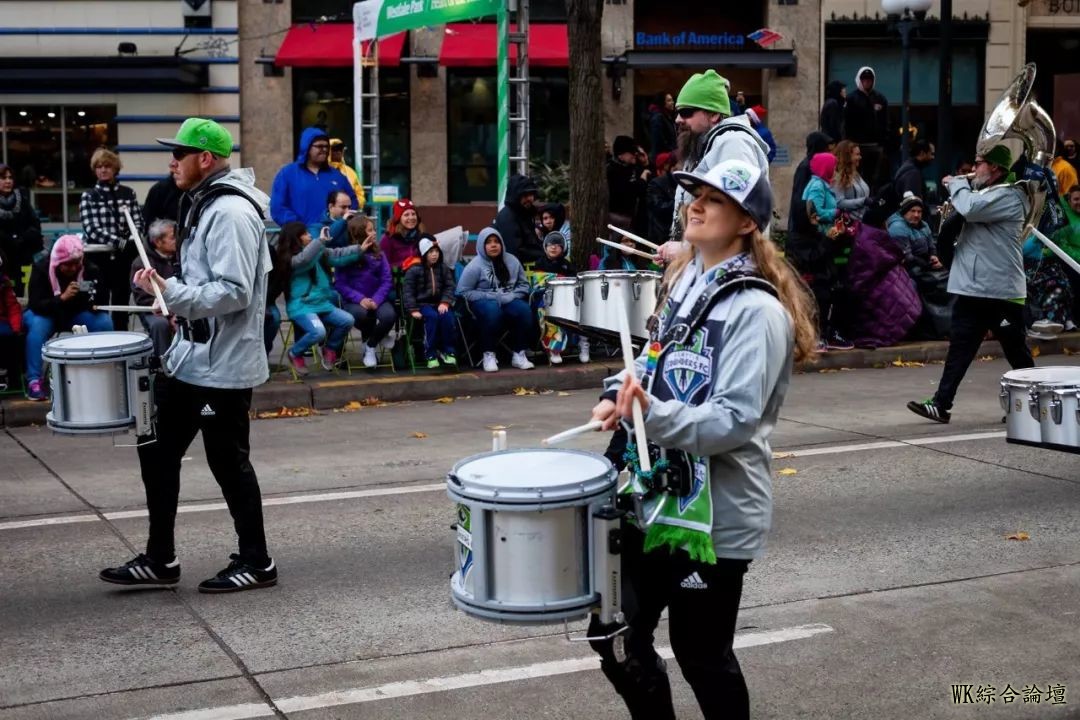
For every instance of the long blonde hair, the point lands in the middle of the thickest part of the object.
(793, 293)
(846, 172)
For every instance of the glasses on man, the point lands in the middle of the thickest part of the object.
(687, 112)
(320, 146)
(179, 153)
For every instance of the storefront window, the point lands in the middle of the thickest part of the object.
(472, 136)
(37, 139)
(323, 97)
(311, 10)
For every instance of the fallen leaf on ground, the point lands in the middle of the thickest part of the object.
(986, 358)
(498, 427)
(846, 369)
(1035, 352)
(1018, 536)
(787, 471)
(1068, 351)
(546, 392)
(828, 370)
(286, 412)
(419, 435)
(444, 400)
(907, 363)
(464, 397)
(373, 401)
(562, 394)
(523, 391)
(351, 406)
(782, 455)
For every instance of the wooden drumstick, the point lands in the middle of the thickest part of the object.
(145, 260)
(623, 248)
(635, 238)
(572, 432)
(628, 360)
(124, 308)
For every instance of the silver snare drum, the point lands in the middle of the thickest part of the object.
(599, 309)
(562, 298)
(1059, 409)
(101, 383)
(523, 551)
(1020, 391)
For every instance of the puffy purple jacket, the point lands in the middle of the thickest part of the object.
(370, 278)
(887, 305)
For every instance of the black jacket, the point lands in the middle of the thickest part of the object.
(41, 300)
(862, 123)
(517, 224)
(831, 119)
(162, 201)
(20, 233)
(626, 189)
(909, 178)
(660, 200)
(420, 285)
(806, 247)
(661, 133)
(560, 267)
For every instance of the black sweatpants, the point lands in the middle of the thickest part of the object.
(972, 317)
(222, 415)
(703, 603)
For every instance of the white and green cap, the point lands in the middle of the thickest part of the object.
(741, 181)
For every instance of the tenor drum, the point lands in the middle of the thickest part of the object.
(1059, 408)
(523, 551)
(100, 382)
(599, 307)
(1020, 393)
(562, 298)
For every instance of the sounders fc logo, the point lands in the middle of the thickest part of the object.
(688, 369)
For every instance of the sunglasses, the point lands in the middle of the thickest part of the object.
(179, 153)
(687, 112)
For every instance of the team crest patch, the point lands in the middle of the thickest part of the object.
(735, 180)
(688, 368)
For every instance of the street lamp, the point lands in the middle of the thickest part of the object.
(905, 16)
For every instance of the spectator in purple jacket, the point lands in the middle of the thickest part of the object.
(365, 287)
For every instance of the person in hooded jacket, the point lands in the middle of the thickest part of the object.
(496, 292)
(401, 241)
(516, 222)
(866, 122)
(429, 296)
(827, 282)
(337, 161)
(554, 339)
(662, 125)
(831, 118)
(660, 198)
(365, 287)
(553, 219)
(20, 228)
(300, 188)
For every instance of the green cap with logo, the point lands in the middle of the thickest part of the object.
(202, 134)
(707, 91)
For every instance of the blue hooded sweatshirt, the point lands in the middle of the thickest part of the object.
(299, 195)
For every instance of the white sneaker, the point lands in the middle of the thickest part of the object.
(370, 360)
(583, 351)
(1047, 326)
(555, 358)
(1069, 326)
(490, 363)
(1036, 335)
(521, 362)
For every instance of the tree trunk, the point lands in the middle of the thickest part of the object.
(588, 181)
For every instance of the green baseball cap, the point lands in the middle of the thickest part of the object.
(202, 134)
(707, 91)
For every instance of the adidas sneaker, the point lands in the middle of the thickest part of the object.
(930, 410)
(238, 576)
(143, 571)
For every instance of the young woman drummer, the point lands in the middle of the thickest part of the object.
(710, 402)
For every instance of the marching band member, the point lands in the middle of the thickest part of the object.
(710, 383)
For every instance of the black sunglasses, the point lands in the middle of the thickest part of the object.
(179, 153)
(687, 112)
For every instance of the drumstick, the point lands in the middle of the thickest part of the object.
(567, 434)
(635, 238)
(617, 246)
(628, 360)
(124, 308)
(145, 260)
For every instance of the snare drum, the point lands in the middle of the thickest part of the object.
(639, 290)
(100, 383)
(562, 298)
(523, 551)
(1019, 395)
(1059, 408)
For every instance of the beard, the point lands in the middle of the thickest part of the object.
(686, 145)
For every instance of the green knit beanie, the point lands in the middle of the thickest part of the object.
(708, 91)
(999, 155)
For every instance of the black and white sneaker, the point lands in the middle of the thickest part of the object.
(143, 571)
(930, 410)
(240, 576)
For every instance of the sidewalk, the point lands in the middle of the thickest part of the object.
(327, 391)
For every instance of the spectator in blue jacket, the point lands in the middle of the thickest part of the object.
(300, 188)
(338, 211)
(908, 230)
(495, 288)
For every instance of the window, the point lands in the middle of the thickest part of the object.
(472, 132)
(36, 141)
(323, 97)
(312, 10)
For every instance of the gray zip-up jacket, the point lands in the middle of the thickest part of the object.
(725, 387)
(989, 258)
(224, 264)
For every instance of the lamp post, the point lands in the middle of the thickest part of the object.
(905, 16)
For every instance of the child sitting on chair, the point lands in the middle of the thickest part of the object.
(429, 296)
(554, 338)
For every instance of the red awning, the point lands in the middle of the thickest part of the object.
(473, 45)
(330, 45)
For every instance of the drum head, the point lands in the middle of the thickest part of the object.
(532, 476)
(101, 345)
(627, 274)
(1057, 376)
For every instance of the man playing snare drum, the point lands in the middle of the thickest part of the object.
(219, 297)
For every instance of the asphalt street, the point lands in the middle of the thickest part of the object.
(889, 576)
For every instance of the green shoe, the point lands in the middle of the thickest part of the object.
(433, 363)
(450, 360)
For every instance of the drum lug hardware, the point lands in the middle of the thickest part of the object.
(579, 294)
(603, 288)
(547, 297)
(1033, 402)
(596, 638)
(1003, 397)
(1078, 407)
(1055, 409)
(635, 290)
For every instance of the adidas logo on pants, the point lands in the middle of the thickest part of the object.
(694, 582)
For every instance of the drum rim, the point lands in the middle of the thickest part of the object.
(586, 274)
(139, 344)
(563, 281)
(551, 497)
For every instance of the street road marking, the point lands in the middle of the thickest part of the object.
(434, 487)
(494, 676)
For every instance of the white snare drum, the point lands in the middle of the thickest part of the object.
(639, 290)
(525, 533)
(1059, 408)
(101, 383)
(562, 298)
(1020, 401)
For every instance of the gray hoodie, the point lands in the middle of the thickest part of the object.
(989, 258)
(718, 397)
(478, 280)
(224, 264)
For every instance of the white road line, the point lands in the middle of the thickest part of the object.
(494, 676)
(433, 487)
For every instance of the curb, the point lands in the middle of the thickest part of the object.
(334, 392)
